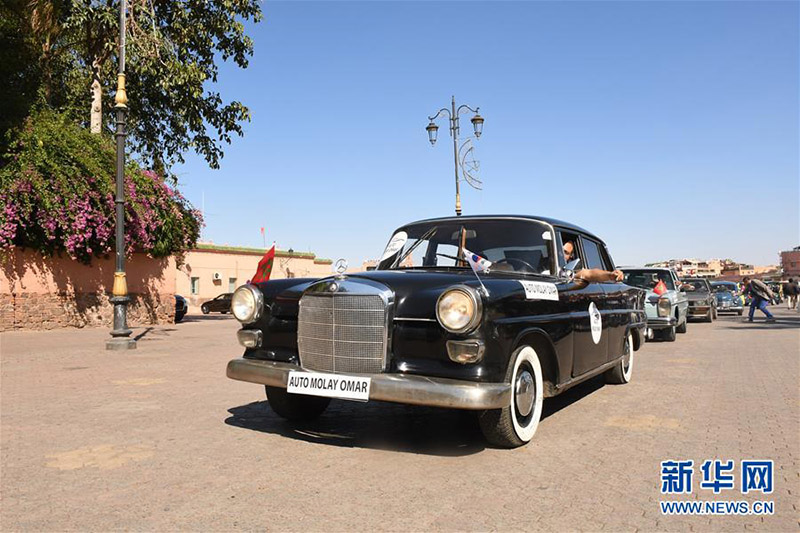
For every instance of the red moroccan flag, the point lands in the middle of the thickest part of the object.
(660, 287)
(264, 266)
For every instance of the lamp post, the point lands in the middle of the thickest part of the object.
(120, 335)
(453, 114)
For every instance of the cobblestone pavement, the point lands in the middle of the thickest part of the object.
(160, 439)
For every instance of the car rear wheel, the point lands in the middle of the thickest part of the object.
(295, 407)
(515, 424)
(204, 309)
(622, 371)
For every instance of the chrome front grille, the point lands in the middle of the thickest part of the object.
(342, 332)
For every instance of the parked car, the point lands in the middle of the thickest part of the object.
(729, 299)
(425, 329)
(181, 307)
(220, 304)
(667, 312)
(777, 290)
(702, 303)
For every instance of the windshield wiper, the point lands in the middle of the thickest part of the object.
(427, 235)
(451, 257)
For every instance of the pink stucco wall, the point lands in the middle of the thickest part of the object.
(30, 272)
(38, 292)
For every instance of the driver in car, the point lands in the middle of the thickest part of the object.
(595, 275)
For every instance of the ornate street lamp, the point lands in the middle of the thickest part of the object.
(453, 114)
(120, 335)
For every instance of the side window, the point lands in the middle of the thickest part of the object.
(594, 258)
(195, 286)
(569, 242)
(607, 258)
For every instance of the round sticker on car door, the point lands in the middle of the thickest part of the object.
(596, 322)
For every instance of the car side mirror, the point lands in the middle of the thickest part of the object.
(568, 272)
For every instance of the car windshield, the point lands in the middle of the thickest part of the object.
(699, 285)
(723, 287)
(648, 279)
(511, 245)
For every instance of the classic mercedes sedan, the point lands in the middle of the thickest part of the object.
(476, 312)
(702, 303)
(667, 307)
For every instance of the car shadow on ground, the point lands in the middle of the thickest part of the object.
(390, 426)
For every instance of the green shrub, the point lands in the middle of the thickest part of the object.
(57, 184)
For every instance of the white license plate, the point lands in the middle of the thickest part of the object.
(329, 385)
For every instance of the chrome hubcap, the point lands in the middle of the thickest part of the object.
(524, 393)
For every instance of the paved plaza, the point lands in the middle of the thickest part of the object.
(159, 438)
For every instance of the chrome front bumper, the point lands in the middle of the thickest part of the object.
(661, 322)
(399, 388)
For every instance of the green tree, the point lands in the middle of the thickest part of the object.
(173, 51)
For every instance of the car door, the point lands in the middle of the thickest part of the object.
(218, 303)
(584, 303)
(611, 302)
(682, 299)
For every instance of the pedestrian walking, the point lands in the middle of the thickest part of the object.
(760, 295)
(791, 291)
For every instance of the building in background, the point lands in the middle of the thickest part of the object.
(727, 269)
(790, 263)
(210, 270)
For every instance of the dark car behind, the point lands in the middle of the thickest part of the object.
(727, 297)
(702, 304)
(220, 304)
(181, 307)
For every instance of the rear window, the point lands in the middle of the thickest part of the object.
(594, 258)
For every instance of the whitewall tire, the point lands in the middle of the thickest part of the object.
(515, 424)
(623, 370)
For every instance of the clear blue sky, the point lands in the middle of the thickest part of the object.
(670, 129)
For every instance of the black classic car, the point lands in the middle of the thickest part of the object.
(425, 328)
(220, 304)
(702, 303)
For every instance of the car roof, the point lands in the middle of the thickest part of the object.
(546, 220)
(628, 267)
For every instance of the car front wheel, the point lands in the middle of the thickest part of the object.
(295, 407)
(515, 424)
(668, 334)
(204, 309)
(622, 371)
(709, 316)
(682, 327)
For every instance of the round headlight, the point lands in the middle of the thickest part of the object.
(459, 310)
(246, 304)
(664, 307)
